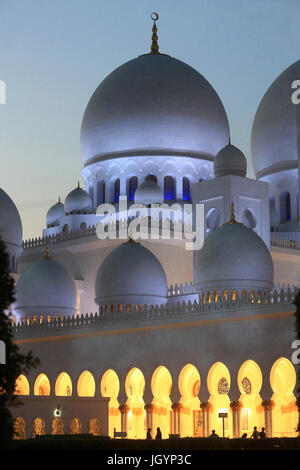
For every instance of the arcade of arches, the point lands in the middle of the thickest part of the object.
(189, 417)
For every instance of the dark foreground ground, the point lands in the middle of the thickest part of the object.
(88, 442)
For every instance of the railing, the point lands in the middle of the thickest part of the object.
(113, 315)
(177, 228)
(285, 243)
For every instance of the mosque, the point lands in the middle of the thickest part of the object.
(138, 333)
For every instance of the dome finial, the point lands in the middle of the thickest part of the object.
(232, 217)
(154, 45)
(78, 185)
(58, 199)
(47, 255)
(229, 143)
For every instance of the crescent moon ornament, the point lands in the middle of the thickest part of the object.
(154, 16)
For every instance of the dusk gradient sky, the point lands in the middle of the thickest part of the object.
(53, 54)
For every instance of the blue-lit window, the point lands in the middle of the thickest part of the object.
(100, 192)
(117, 190)
(132, 186)
(285, 207)
(185, 189)
(169, 188)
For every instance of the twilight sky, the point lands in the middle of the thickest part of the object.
(54, 53)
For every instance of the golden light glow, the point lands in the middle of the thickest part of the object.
(161, 386)
(22, 386)
(134, 387)
(63, 385)
(189, 386)
(252, 413)
(218, 401)
(42, 385)
(86, 385)
(110, 386)
(285, 413)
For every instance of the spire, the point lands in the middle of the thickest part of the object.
(154, 45)
(232, 217)
(229, 143)
(78, 185)
(59, 200)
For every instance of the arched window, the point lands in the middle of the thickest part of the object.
(91, 192)
(169, 188)
(151, 178)
(285, 207)
(100, 192)
(83, 226)
(65, 228)
(132, 186)
(185, 189)
(117, 190)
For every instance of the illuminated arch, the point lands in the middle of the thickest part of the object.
(189, 386)
(250, 382)
(134, 387)
(41, 385)
(63, 385)
(218, 383)
(110, 387)
(161, 386)
(86, 385)
(285, 411)
(22, 386)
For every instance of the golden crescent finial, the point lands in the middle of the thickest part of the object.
(232, 217)
(154, 45)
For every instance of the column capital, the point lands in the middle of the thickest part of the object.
(124, 409)
(206, 405)
(149, 408)
(236, 405)
(268, 404)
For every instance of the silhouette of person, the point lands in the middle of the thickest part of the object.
(262, 433)
(149, 434)
(244, 436)
(158, 434)
(213, 434)
(255, 433)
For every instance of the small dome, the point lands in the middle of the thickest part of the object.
(54, 214)
(78, 201)
(46, 288)
(149, 192)
(131, 274)
(230, 161)
(233, 257)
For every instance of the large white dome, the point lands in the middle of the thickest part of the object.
(153, 105)
(46, 288)
(131, 274)
(274, 131)
(233, 257)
